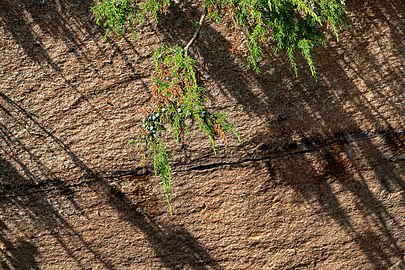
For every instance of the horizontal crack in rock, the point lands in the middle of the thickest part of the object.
(57, 184)
(299, 149)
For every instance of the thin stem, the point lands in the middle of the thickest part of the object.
(197, 30)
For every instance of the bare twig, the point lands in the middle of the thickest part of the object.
(197, 30)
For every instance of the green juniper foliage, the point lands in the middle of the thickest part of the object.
(117, 15)
(293, 26)
(176, 98)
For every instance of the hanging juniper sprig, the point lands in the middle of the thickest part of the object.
(176, 98)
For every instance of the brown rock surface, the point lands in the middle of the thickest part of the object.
(317, 181)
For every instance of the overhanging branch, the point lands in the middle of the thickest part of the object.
(197, 30)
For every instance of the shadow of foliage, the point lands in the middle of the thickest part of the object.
(358, 98)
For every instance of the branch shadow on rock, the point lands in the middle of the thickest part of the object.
(18, 255)
(53, 18)
(32, 196)
(332, 181)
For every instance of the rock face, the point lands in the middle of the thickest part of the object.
(316, 182)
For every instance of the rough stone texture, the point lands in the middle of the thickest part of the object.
(316, 182)
(399, 265)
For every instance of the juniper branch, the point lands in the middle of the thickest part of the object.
(197, 30)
